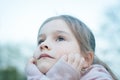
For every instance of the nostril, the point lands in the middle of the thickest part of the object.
(46, 47)
(43, 47)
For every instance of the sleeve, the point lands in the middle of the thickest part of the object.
(97, 72)
(60, 71)
(63, 71)
(33, 73)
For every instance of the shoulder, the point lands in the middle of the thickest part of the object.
(96, 72)
(98, 69)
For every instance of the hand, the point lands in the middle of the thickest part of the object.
(75, 60)
(31, 69)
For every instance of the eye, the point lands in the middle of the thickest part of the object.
(40, 41)
(60, 38)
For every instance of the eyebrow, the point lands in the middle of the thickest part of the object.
(57, 31)
(40, 35)
(62, 32)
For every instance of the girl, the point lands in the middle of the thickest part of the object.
(65, 51)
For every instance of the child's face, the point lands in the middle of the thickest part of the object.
(55, 40)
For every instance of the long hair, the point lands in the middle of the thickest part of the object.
(84, 37)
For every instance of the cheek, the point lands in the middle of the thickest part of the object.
(66, 49)
(63, 50)
(36, 53)
(60, 51)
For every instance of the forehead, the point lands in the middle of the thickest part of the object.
(55, 25)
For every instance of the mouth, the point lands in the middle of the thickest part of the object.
(45, 55)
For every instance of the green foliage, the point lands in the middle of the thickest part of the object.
(11, 73)
(12, 61)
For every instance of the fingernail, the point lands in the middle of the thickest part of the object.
(82, 60)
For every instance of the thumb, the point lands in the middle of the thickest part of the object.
(64, 57)
(31, 69)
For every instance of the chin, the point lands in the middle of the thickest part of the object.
(44, 67)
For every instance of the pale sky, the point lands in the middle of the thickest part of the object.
(20, 19)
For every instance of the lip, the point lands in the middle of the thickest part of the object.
(45, 55)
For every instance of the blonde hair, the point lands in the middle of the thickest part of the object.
(84, 37)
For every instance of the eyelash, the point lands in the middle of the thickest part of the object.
(40, 41)
(60, 38)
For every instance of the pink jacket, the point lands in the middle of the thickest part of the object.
(63, 71)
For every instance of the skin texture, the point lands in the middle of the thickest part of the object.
(56, 40)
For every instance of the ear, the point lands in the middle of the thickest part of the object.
(88, 59)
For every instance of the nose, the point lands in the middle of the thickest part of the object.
(44, 46)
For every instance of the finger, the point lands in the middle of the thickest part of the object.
(64, 57)
(70, 59)
(76, 61)
(32, 60)
(32, 69)
(80, 66)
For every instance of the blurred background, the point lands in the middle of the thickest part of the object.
(21, 19)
